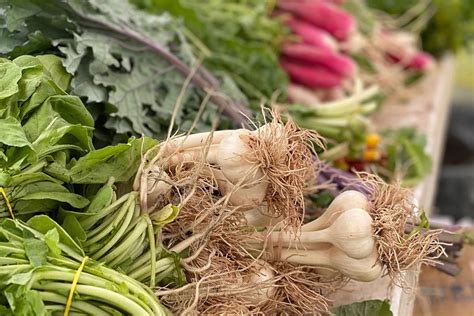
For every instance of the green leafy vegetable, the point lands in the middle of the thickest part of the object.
(450, 28)
(406, 155)
(10, 74)
(133, 64)
(366, 308)
(39, 122)
(40, 270)
(13, 133)
(121, 161)
(46, 141)
(237, 39)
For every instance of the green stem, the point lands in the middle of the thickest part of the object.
(337, 152)
(151, 240)
(14, 269)
(84, 278)
(368, 108)
(7, 248)
(345, 106)
(88, 308)
(165, 273)
(67, 275)
(145, 270)
(36, 167)
(340, 122)
(135, 287)
(330, 132)
(136, 251)
(127, 243)
(7, 261)
(127, 212)
(90, 221)
(140, 261)
(103, 295)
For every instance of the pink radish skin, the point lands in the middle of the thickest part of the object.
(311, 76)
(312, 35)
(334, 61)
(421, 61)
(322, 14)
(336, 1)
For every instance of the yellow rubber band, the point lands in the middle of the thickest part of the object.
(7, 201)
(73, 286)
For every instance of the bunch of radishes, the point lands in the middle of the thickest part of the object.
(327, 35)
(315, 61)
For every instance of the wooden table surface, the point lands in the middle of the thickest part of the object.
(428, 111)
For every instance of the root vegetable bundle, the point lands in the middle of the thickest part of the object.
(240, 231)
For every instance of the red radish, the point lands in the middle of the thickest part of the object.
(338, 63)
(421, 61)
(312, 35)
(322, 14)
(311, 76)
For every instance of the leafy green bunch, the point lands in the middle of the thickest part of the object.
(116, 232)
(38, 264)
(46, 140)
(238, 39)
(133, 68)
(40, 123)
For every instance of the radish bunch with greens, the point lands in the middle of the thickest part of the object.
(315, 61)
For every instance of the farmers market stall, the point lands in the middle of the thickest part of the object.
(248, 157)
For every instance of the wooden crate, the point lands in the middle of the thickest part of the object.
(427, 111)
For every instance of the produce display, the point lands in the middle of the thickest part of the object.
(166, 157)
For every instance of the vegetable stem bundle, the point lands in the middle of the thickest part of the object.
(40, 263)
(116, 233)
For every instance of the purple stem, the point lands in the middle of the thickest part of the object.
(451, 269)
(344, 180)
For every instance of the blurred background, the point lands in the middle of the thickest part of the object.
(440, 294)
(456, 183)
